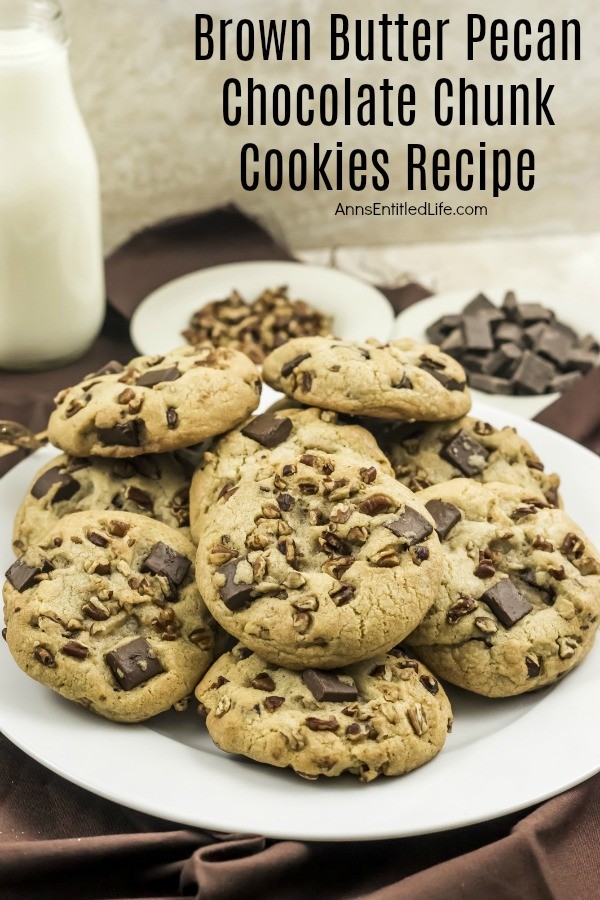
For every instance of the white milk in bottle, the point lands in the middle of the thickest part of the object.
(51, 271)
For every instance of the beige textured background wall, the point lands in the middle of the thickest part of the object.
(155, 116)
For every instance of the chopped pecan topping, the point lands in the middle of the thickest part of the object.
(541, 543)
(418, 719)
(461, 608)
(220, 553)
(306, 603)
(117, 528)
(522, 512)
(263, 682)
(44, 657)
(202, 638)
(358, 731)
(74, 648)
(377, 504)
(273, 703)
(223, 706)
(567, 647)
(285, 502)
(368, 474)
(485, 624)
(316, 724)
(572, 546)
(342, 594)
(533, 666)
(126, 396)
(301, 621)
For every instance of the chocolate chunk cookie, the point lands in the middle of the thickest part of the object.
(520, 595)
(400, 380)
(155, 486)
(318, 561)
(423, 455)
(270, 438)
(106, 612)
(156, 403)
(384, 716)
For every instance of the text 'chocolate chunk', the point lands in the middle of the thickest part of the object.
(445, 516)
(134, 663)
(288, 367)
(507, 604)
(411, 526)
(235, 596)
(163, 560)
(467, 454)
(122, 434)
(67, 486)
(268, 430)
(157, 376)
(327, 686)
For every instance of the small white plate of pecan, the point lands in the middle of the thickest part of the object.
(257, 306)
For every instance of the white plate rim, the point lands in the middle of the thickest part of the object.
(231, 274)
(378, 814)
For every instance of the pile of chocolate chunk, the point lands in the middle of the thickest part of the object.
(515, 348)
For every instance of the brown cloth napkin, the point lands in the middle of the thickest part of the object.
(57, 841)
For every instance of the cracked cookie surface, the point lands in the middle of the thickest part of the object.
(400, 380)
(156, 486)
(156, 403)
(270, 438)
(385, 716)
(106, 612)
(424, 454)
(520, 596)
(318, 561)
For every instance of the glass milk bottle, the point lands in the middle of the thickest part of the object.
(51, 270)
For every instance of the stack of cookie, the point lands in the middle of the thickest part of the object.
(102, 602)
(365, 510)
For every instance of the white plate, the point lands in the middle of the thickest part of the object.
(359, 310)
(415, 320)
(526, 749)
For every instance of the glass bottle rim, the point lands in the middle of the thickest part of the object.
(44, 17)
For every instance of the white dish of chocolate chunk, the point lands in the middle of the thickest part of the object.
(502, 755)
(256, 306)
(520, 351)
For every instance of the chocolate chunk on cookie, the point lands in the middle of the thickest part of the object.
(268, 430)
(318, 561)
(88, 616)
(134, 663)
(157, 486)
(445, 516)
(520, 598)
(399, 380)
(434, 453)
(164, 560)
(384, 716)
(312, 433)
(156, 404)
(507, 604)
